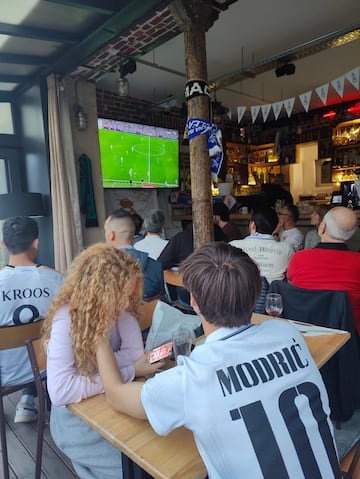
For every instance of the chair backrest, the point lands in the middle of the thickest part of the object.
(172, 277)
(37, 354)
(15, 336)
(146, 314)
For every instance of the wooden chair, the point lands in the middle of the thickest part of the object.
(37, 358)
(350, 465)
(14, 337)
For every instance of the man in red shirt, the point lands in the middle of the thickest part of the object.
(331, 265)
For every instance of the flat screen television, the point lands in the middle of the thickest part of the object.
(138, 156)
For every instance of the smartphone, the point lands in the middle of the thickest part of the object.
(161, 352)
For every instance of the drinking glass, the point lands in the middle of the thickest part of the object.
(273, 305)
(182, 341)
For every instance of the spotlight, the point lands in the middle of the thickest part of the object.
(287, 69)
(122, 84)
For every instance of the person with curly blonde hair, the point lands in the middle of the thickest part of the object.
(98, 299)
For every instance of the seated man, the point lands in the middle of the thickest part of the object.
(27, 290)
(271, 256)
(251, 394)
(153, 244)
(119, 230)
(222, 218)
(286, 229)
(331, 265)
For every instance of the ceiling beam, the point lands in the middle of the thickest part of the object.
(23, 59)
(105, 7)
(6, 96)
(44, 34)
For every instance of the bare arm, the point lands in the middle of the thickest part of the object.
(122, 397)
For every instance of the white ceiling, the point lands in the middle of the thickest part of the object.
(249, 32)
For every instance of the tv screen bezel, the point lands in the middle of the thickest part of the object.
(132, 126)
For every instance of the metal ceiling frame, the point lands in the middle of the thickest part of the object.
(118, 19)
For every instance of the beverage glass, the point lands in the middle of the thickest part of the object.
(182, 341)
(273, 304)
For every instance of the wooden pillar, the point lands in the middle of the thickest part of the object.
(198, 22)
(198, 107)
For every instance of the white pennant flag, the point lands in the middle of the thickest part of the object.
(305, 100)
(254, 112)
(277, 108)
(353, 77)
(289, 104)
(229, 114)
(322, 92)
(240, 112)
(265, 110)
(338, 85)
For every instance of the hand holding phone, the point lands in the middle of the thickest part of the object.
(161, 352)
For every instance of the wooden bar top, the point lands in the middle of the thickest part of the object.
(173, 456)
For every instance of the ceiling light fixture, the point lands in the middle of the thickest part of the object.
(122, 84)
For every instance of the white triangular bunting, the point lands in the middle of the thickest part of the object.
(353, 77)
(305, 100)
(240, 112)
(277, 108)
(254, 112)
(289, 104)
(322, 92)
(265, 110)
(229, 114)
(338, 85)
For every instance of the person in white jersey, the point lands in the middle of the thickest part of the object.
(271, 256)
(252, 395)
(26, 291)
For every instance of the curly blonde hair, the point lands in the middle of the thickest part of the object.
(102, 282)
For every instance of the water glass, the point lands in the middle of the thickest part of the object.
(273, 304)
(182, 342)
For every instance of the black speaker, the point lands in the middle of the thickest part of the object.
(287, 69)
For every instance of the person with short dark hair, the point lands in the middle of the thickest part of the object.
(27, 290)
(271, 256)
(119, 230)
(222, 218)
(152, 243)
(138, 234)
(251, 394)
(286, 229)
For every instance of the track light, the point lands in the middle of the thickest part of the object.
(287, 69)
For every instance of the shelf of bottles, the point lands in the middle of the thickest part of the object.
(346, 151)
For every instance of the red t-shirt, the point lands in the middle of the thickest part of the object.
(328, 269)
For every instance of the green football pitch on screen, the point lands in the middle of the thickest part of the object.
(133, 161)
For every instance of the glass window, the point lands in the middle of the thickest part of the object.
(6, 120)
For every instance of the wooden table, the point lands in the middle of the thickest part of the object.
(175, 455)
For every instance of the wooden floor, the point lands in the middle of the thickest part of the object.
(21, 442)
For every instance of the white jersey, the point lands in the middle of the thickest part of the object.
(152, 245)
(255, 402)
(292, 237)
(25, 294)
(272, 257)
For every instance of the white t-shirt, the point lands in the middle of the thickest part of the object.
(272, 257)
(292, 237)
(25, 294)
(152, 245)
(255, 402)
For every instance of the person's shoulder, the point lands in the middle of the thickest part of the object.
(50, 271)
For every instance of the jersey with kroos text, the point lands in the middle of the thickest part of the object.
(25, 294)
